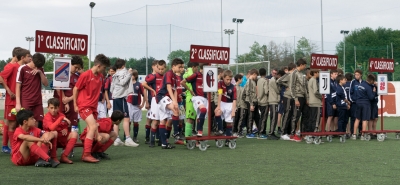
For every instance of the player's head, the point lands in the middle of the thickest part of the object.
(52, 105)
(349, 77)
(314, 73)
(262, 72)
(161, 65)
(238, 79)
(280, 74)
(182, 69)
(154, 66)
(274, 72)
(116, 117)
(358, 74)
(341, 79)
(340, 72)
(112, 70)
(25, 117)
(14, 52)
(371, 79)
(301, 64)
(285, 69)
(120, 63)
(194, 66)
(176, 65)
(24, 55)
(227, 75)
(334, 74)
(38, 59)
(135, 74)
(291, 66)
(253, 73)
(76, 63)
(101, 62)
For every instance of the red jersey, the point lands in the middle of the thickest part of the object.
(179, 88)
(73, 78)
(9, 74)
(54, 123)
(169, 78)
(31, 86)
(136, 97)
(89, 86)
(196, 79)
(228, 92)
(105, 125)
(33, 131)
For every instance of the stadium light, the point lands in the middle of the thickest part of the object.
(92, 4)
(344, 32)
(30, 39)
(229, 32)
(237, 21)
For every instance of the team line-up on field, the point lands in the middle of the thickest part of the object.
(175, 100)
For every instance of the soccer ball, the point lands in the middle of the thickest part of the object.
(14, 112)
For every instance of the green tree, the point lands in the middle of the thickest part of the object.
(184, 55)
(305, 48)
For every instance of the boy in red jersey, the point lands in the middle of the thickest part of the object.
(135, 104)
(156, 83)
(182, 112)
(199, 98)
(147, 99)
(7, 79)
(30, 144)
(106, 131)
(57, 121)
(86, 94)
(167, 103)
(28, 90)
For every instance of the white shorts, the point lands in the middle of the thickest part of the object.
(110, 111)
(135, 113)
(154, 111)
(226, 109)
(182, 111)
(197, 102)
(101, 109)
(164, 112)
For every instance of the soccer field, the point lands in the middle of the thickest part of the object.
(252, 162)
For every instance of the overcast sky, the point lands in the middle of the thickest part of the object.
(278, 20)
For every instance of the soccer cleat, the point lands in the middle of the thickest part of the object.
(354, 137)
(130, 142)
(152, 144)
(6, 150)
(168, 146)
(64, 159)
(262, 136)
(250, 136)
(118, 142)
(71, 155)
(135, 140)
(296, 138)
(285, 137)
(280, 132)
(219, 133)
(179, 142)
(235, 134)
(362, 138)
(199, 133)
(273, 137)
(240, 135)
(54, 163)
(147, 141)
(96, 155)
(42, 163)
(194, 132)
(89, 158)
(103, 155)
(56, 160)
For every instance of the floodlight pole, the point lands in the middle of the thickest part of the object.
(92, 4)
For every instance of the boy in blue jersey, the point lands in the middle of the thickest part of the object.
(365, 94)
(330, 101)
(349, 78)
(353, 98)
(342, 103)
(374, 109)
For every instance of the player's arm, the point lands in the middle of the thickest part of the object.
(234, 102)
(53, 125)
(191, 78)
(43, 78)
(30, 138)
(75, 92)
(18, 96)
(183, 83)
(126, 78)
(147, 87)
(172, 94)
(143, 103)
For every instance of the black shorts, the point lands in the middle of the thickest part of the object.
(374, 111)
(363, 112)
(329, 111)
(281, 108)
(121, 105)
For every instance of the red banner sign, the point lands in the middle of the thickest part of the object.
(209, 54)
(323, 61)
(381, 65)
(63, 43)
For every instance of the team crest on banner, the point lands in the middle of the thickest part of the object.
(210, 77)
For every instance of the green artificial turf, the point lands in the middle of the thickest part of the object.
(252, 162)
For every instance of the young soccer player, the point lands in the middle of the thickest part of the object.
(365, 94)
(287, 103)
(167, 102)
(121, 87)
(135, 104)
(281, 109)
(8, 80)
(342, 103)
(250, 97)
(182, 112)
(353, 98)
(190, 112)
(30, 144)
(226, 104)
(107, 92)
(262, 98)
(147, 99)
(86, 94)
(315, 100)
(214, 102)
(156, 83)
(58, 122)
(240, 105)
(105, 129)
(374, 109)
(199, 98)
(330, 101)
(349, 78)
(273, 101)
(28, 90)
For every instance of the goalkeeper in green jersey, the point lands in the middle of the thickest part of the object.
(190, 112)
